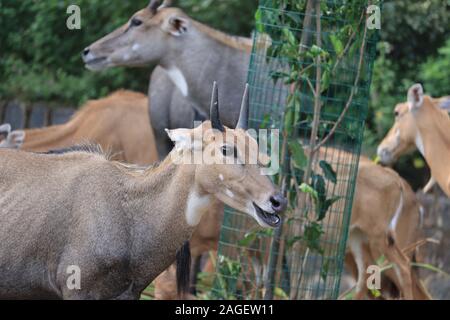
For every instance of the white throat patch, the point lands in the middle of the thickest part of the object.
(178, 79)
(196, 206)
(419, 144)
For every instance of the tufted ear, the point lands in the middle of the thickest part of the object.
(176, 26)
(444, 103)
(16, 138)
(5, 129)
(415, 96)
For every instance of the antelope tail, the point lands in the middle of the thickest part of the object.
(394, 221)
(183, 269)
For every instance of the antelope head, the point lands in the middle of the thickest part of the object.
(404, 136)
(147, 38)
(227, 170)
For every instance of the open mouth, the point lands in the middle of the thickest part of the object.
(271, 219)
(92, 64)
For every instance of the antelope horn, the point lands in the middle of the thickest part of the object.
(245, 106)
(214, 113)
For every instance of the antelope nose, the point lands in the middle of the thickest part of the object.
(86, 52)
(278, 202)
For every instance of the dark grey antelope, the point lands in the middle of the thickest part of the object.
(115, 226)
(188, 54)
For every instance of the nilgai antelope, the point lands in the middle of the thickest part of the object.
(187, 54)
(385, 221)
(119, 123)
(421, 123)
(120, 226)
(10, 139)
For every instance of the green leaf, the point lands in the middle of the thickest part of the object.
(312, 235)
(325, 81)
(316, 51)
(290, 37)
(258, 21)
(279, 293)
(298, 154)
(288, 119)
(248, 239)
(375, 293)
(324, 206)
(337, 44)
(265, 122)
(324, 270)
(305, 188)
(319, 186)
(328, 171)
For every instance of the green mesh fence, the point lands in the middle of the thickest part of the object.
(309, 58)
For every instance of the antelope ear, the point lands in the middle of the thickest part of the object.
(5, 128)
(444, 104)
(182, 138)
(176, 26)
(16, 138)
(415, 96)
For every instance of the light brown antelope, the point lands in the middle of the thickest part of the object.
(421, 123)
(10, 139)
(187, 54)
(119, 123)
(386, 219)
(119, 226)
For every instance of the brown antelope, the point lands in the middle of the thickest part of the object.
(187, 54)
(421, 123)
(385, 221)
(119, 226)
(119, 123)
(10, 139)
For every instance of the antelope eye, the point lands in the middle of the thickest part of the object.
(228, 151)
(135, 22)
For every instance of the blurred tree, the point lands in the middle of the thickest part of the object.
(40, 57)
(415, 47)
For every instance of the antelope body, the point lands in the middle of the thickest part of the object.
(121, 226)
(421, 123)
(187, 54)
(119, 123)
(385, 221)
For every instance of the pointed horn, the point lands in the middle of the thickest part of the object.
(215, 117)
(245, 109)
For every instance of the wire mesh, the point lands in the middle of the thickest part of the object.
(304, 258)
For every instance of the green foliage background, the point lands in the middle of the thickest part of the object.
(40, 58)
